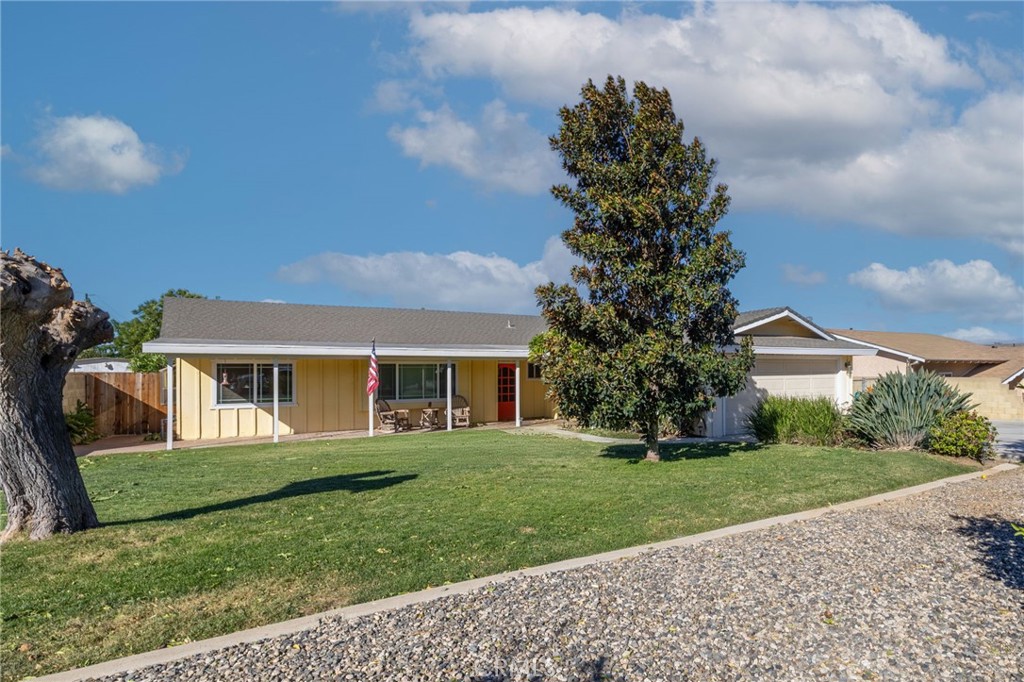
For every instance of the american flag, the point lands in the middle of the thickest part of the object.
(373, 378)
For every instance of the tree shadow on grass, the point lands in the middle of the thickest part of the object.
(673, 452)
(353, 483)
(999, 551)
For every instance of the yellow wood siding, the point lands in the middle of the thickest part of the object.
(330, 396)
(783, 326)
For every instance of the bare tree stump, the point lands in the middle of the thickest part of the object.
(43, 331)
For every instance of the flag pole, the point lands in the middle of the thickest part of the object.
(371, 383)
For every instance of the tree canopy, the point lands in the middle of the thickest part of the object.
(653, 338)
(145, 326)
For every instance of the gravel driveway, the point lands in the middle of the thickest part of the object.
(929, 587)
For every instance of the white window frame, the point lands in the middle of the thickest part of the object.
(442, 368)
(530, 369)
(214, 394)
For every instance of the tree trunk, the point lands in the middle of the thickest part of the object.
(44, 330)
(651, 439)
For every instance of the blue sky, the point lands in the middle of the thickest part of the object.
(395, 154)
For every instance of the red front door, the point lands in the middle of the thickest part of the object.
(506, 393)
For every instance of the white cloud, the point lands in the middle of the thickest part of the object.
(834, 112)
(988, 16)
(501, 151)
(973, 290)
(738, 64)
(960, 180)
(460, 280)
(801, 274)
(391, 96)
(982, 335)
(97, 153)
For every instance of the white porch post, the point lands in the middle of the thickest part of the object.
(519, 414)
(277, 407)
(448, 376)
(842, 383)
(170, 402)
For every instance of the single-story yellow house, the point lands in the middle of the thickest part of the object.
(226, 357)
(223, 357)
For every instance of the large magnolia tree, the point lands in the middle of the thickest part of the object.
(43, 330)
(653, 340)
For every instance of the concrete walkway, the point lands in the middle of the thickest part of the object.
(116, 445)
(556, 428)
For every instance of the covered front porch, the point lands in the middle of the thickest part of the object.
(275, 397)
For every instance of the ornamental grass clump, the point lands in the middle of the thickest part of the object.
(801, 421)
(900, 409)
(964, 434)
(81, 423)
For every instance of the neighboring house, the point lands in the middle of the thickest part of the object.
(224, 355)
(94, 365)
(795, 357)
(992, 374)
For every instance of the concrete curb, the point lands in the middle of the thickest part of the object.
(289, 627)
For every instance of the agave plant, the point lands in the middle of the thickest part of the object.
(900, 409)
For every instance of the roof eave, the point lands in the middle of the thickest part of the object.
(791, 315)
(803, 350)
(908, 356)
(207, 348)
(1013, 377)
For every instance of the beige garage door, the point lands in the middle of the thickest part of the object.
(798, 377)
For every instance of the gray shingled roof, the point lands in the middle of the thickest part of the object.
(802, 342)
(202, 320)
(215, 321)
(750, 316)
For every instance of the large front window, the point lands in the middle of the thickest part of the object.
(252, 383)
(414, 382)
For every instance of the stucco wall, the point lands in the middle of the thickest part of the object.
(869, 367)
(995, 400)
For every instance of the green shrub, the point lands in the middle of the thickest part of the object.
(81, 424)
(964, 434)
(900, 409)
(803, 421)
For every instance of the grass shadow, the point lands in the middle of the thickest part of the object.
(353, 483)
(674, 452)
(1000, 552)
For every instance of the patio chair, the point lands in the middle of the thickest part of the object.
(397, 420)
(460, 411)
(428, 417)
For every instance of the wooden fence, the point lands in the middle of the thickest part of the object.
(123, 402)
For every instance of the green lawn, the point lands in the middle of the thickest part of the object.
(198, 543)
